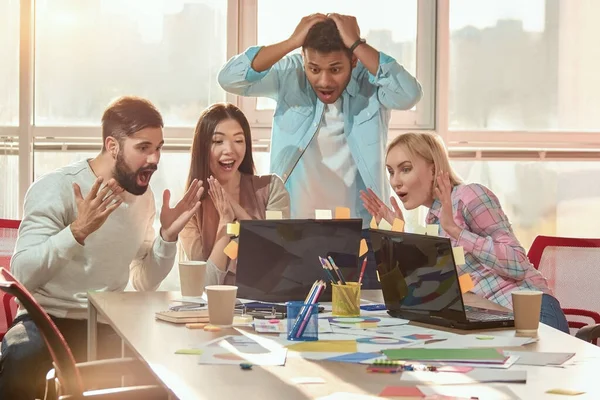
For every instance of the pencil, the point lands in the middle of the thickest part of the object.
(337, 270)
(362, 270)
(331, 278)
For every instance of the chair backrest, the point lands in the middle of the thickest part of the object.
(571, 266)
(9, 230)
(64, 362)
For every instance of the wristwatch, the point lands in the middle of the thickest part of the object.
(356, 44)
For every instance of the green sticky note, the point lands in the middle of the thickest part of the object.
(193, 352)
(424, 354)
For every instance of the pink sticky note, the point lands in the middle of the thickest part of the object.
(401, 391)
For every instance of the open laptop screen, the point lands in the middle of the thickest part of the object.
(418, 274)
(278, 260)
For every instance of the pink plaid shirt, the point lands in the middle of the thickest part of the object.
(495, 260)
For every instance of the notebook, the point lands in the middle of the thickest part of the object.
(183, 317)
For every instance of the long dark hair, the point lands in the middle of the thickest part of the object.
(203, 134)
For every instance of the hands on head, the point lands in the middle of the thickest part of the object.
(378, 209)
(346, 24)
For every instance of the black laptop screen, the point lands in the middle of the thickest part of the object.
(278, 260)
(418, 274)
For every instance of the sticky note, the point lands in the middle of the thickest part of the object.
(432, 230)
(342, 213)
(233, 229)
(373, 224)
(401, 391)
(566, 392)
(193, 352)
(398, 225)
(384, 225)
(420, 230)
(274, 214)
(363, 248)
(466, 283)
(459, 255)
(377, 272)
(322, 214)
(231, 250)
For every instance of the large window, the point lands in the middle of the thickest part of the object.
(9, 63)
(89, 52)
(524, 65)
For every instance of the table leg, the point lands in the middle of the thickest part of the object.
(92, 332)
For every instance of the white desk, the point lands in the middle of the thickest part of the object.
(131, 314)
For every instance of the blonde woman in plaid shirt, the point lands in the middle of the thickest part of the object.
(469, 214)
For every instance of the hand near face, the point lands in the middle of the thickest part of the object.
(443, 192)
(304, 26)
(348, 27)
(94, 209)
(173, 220)
(221, 201)
(378, 209)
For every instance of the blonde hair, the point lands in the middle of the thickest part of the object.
(431, 148)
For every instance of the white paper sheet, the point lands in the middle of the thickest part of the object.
(539, 359)
(478, 375)
(481, 392)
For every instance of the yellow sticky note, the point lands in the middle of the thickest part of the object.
(398, 225)
(342, 213)
(274, 214)
(322, 214)
(384, 225)
(432, 230)
(325, 346)
(459, 255)
(363, 248)
(231, 250)
(233, 229)
(566, 392)
(466, 283)
(377, 272)
(373, 224)
(420, 230)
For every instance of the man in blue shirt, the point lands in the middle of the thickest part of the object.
(330, 124)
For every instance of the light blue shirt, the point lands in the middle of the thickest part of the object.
(367, 102)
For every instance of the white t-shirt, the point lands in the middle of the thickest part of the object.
(330, 167)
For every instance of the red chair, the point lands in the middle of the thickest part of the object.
(69, 380)
(9, 230)
(571, 266)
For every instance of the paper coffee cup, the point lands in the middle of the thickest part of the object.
(221, 304)
(191, 278)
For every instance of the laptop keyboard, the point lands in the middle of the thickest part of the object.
(483, 316)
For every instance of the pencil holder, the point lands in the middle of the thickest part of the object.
(345, 299)
(302, 321)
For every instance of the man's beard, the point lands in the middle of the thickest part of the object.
(127, 178)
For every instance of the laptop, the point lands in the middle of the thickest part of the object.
(419, 280)
(278, 260)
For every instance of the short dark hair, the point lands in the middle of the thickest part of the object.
(324, 37)
(128, 115)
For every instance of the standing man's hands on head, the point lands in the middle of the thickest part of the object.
(94, 209)
(269, 55)
(348, 27)
(173, 220)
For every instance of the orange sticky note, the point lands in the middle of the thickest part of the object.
(231, 250)
(342, 213)
(466, 283)
(363, 248)
(373, 224)
(398, 225)
(459, 255)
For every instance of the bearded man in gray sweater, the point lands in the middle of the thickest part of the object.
(89, 227)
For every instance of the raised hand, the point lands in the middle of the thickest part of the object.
(94, 209)
(348, 27)
(173, 220)
(303, 27)
(221, 201)
(378, 209)
(443, 192)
